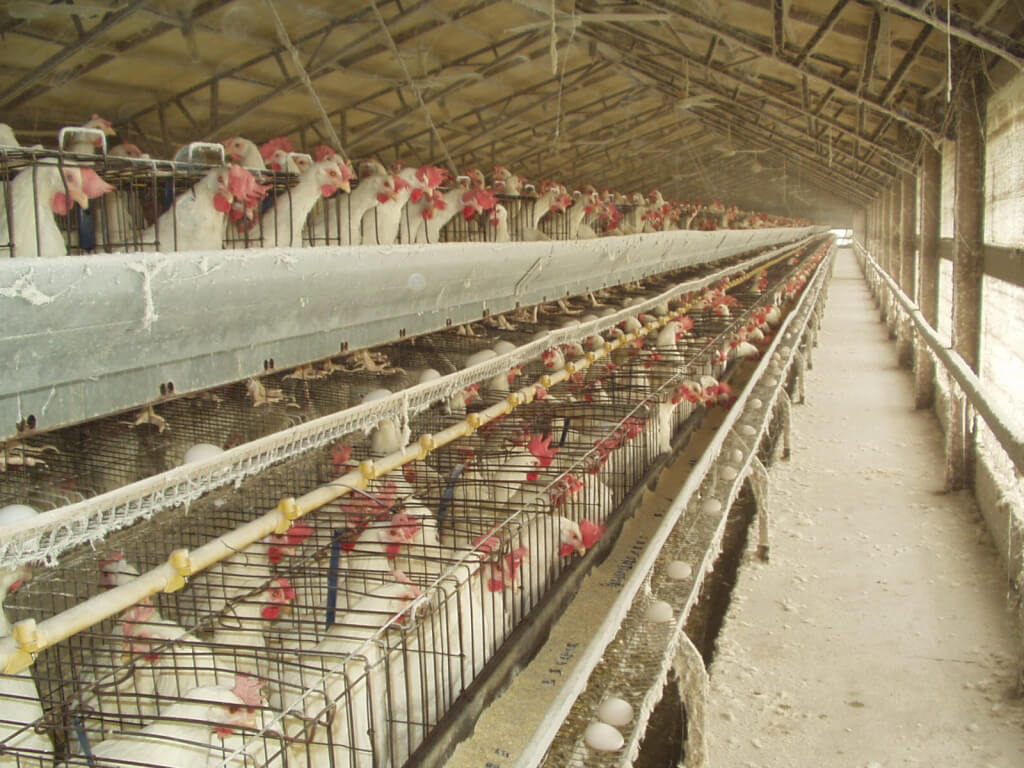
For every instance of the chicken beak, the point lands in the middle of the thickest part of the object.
(79, 196)
(580, 549)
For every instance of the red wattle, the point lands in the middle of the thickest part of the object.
(60, 204)
(416, 195)
(221, 203)
(270, 612)
(383, 198)
(566, 550)
(327, 190)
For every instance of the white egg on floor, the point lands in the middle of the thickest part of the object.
(603, 737)
(728, 472)
(615, 711)
(679, 569)
(658, 612)
(755, 402)
(711, 506)
(735, 455)
(746, 429)
(201, 452)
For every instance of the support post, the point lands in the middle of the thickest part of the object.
(928, 271)
(907, 267)
(968, 266)
(893, 250)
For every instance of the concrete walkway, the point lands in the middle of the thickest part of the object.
(878, 635)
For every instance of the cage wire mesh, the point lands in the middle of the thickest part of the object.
(362, 626)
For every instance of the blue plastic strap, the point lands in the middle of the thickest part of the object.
(83, 740)
(565, 431)
(449, 491)
(332, 577)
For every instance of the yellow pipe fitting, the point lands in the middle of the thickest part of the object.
(570, 368)
(591, 357)
(514, 400)
(609, 347)
(368, 469)
(182, 565)
(26, 635)
(474, 420)
(289, 509)
(545, 381)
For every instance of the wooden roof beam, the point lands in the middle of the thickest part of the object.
(671, 76)
(742, 38)
(108, 22)
(870, 49)
(901, 69)
(594, 30)
(778, 27)
(820, 32)
(958, 25)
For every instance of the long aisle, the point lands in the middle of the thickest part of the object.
(878, 635)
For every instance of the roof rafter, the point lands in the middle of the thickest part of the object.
(747, 40)
(820, 32)
(109, 21)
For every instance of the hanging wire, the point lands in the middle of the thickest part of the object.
(565, 64)
(282, 35)
(412, 84)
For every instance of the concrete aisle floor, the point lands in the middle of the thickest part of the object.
(878, 635)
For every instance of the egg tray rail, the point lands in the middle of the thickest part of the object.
(542, 695)
(636, 664)
(90, 519)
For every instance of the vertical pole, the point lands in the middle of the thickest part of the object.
(928, 271)
(968, 265)
(907, 268)
(892, 249)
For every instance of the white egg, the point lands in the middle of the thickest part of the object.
(429, 374)
(603, 737)
(504, 347)
(201, 452)
(736, 455)
(728, 473)
(711, 507)
(15, 513)
(755, 402)
(747, 430)
(615, 711)
(658, 612)
(771, 382)
(678, 569)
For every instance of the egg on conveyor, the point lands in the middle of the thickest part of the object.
(603, 737)
(15, 513)
(747, 430)
(658, 612)
(711, 506)
(728, 472)
(615, 711)
(755, 402)
(735, 455)
(678, 569)
(201, 452)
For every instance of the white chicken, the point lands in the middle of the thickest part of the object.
(186, 733)
(282, 225)
(197, 219)
(36, 194)
(244, 152)
(350, 676)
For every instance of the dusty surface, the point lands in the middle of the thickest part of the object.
(878, 634)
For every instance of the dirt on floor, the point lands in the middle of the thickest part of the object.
(879, 634)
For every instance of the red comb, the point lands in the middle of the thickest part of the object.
(591, 532)
(283, 143)
(93, 185)
(431, 175)
(541, 448)
(322, 152)
(248, 690)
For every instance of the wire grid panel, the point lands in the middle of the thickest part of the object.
(54, 532)
(635, 665)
